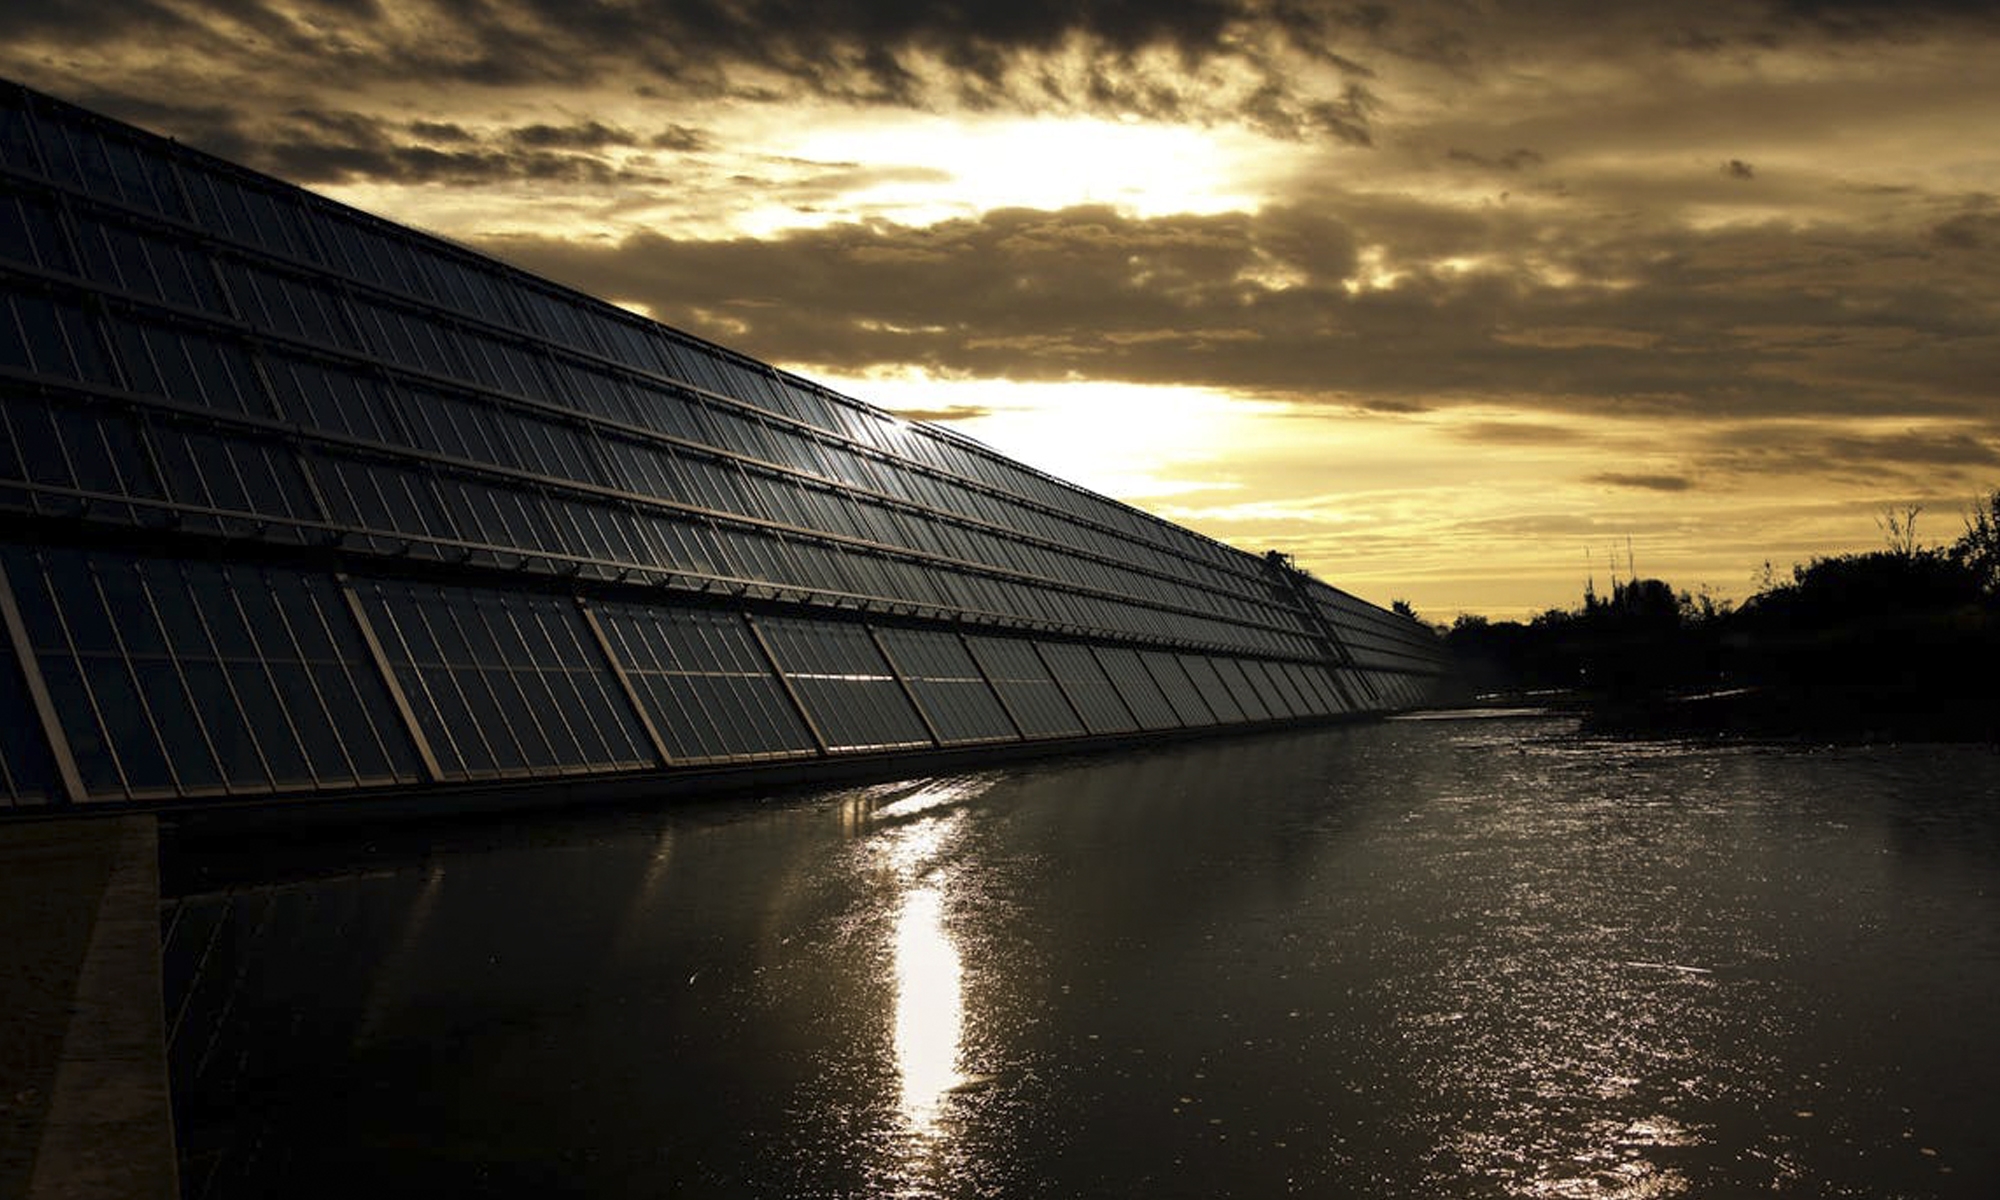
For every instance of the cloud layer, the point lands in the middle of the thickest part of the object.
(1393, 304)
(1555, 267)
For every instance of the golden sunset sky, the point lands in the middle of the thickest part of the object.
(1451, 301)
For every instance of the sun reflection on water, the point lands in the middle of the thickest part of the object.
(910, 836)
(930, 1008)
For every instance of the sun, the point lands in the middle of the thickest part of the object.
(1126, 440)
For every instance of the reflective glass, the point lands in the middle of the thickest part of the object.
(1240, 689)
(96, 765)
(496, 677)
(1276, 697)
(1309, 684)
(1179, 690)
(710, 692)
(845, 684)
(13, 339)
(1137, 689)
(17, 144)
(1088, 688)
(1032, 697)
(947, 685)
(1213, 692)
(181, 731)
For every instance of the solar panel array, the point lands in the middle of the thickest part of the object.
(299, 501)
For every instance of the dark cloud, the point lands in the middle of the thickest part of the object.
(1913, 449)
(71, 20)
(440, 131)
(681, 139)
(584, 135)
(1975, 230)
(1880, 19)
(1276, 110)
(1715, 27)
(1923, 461)
(218, 128)
(1522, 433)
(1303, 69)
(1157, 60)
(1726, 325)
(1345, 119)
(1392, 406)
(311, 146)
(1018, 293)
(950, 412)
(803, 184)
(1649, 483)
(314, 146)
(1518, 159)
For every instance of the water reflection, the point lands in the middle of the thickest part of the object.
(401, 959)
(930, 1008)
(909, 839)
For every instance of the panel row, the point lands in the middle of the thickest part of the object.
(191, 679)
(384, 418)
(167, 679)
(1373, 637)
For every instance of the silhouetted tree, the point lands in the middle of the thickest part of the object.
(1978, 550)
(1899, 528)
(1884, 584)
(1898, 642)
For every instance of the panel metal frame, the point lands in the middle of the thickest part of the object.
(785, 681)
(38, 695)
(625, 685)
(425, 756)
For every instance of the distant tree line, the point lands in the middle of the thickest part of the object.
(1898, 642)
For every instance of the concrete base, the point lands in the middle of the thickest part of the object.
(83, 1082)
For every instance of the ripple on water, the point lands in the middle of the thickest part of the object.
(1577, 996)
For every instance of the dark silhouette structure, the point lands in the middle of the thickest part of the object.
(299, 503)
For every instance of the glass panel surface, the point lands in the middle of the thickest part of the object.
(127, 724)
(709, 691)
(1025, 686)
(1285, 675)
(1087, 686)
(1179, 690)
(488, 672)
(963, 711)
(860, 714)
(1149, 706)
(96, 764)
(947, 684)
(175, 690)
(1211, 689)
(1241, 690)
(845, 684)
(1275, 696)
